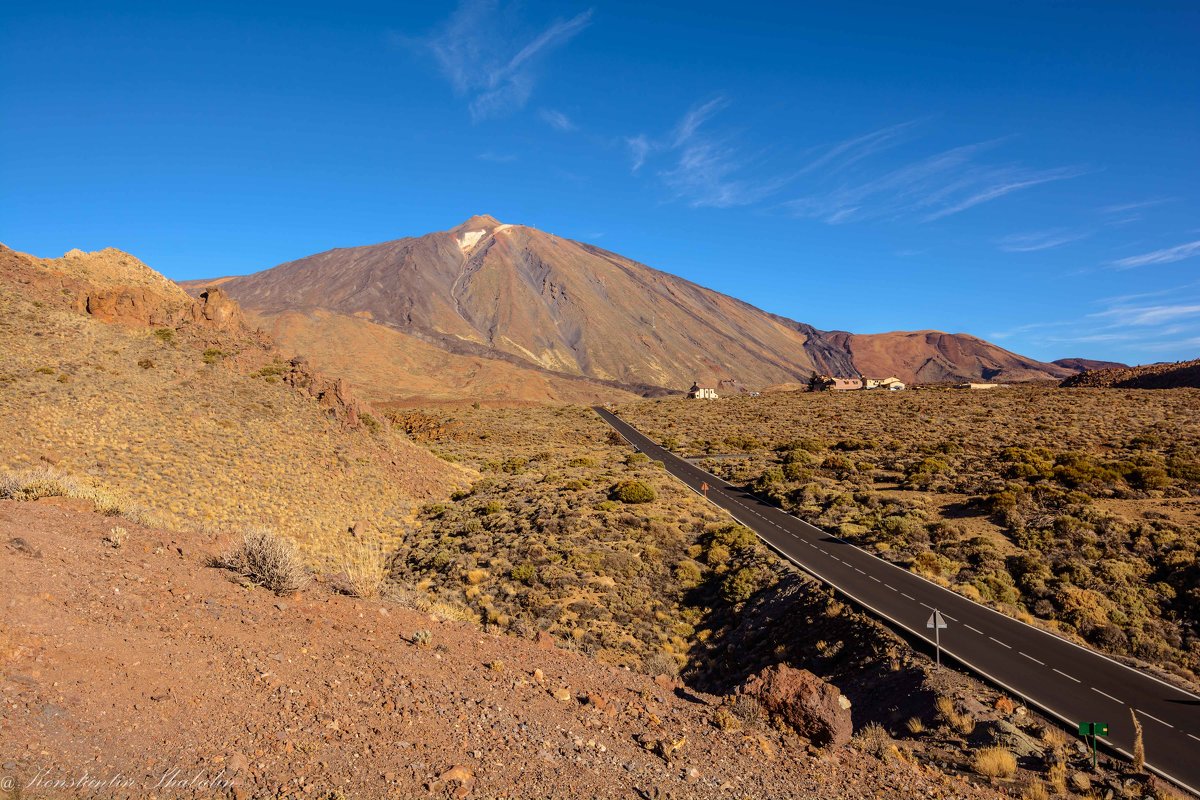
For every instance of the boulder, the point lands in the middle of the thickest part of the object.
(813, 708)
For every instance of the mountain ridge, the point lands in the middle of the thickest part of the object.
(487, 289)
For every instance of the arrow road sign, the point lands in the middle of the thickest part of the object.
(937, 623)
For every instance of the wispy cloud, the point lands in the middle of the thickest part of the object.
(1134, 327)
(1167, 255)
(1149, 315)
(704, 170)
(993, 184)
(846, 188)
(557, 120)
(639, 149)
(1125, 208)
(841, 155)
(496, 73)
(1039, 240)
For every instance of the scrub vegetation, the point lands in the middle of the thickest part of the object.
(569, 532)
(1076, 508)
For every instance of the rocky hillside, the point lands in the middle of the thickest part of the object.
(112, 374)
(558, 308)
(1176, 375)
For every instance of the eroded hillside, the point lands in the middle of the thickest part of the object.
(111, 375)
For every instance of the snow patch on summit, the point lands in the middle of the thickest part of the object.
(468, 239)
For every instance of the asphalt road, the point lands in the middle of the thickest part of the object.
(1070, 682)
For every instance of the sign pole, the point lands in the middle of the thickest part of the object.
(937, 623)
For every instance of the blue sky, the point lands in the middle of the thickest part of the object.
(1023, 171)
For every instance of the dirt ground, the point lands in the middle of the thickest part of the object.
(137, 671)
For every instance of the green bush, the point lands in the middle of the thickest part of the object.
(524, 573)
(740, 586)
(632, 492)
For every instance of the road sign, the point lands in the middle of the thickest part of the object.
(704, 488)
(1093, 729)
(937, 623)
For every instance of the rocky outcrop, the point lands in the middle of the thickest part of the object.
(331, 393)
(217, 309)
(1176, 375)
(813, 708)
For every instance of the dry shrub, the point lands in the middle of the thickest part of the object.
(1004, 705)
(1056, 776)
(34, 484)
(267, 559)
(874, 739)
(962, 722)
(748, 710)
(995, 762)
(915, 726)
(116, 536)
(1035, 791)
(1054, 738)
(724, 719)
(363, 568)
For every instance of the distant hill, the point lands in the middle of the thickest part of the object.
(564, 318)
(1085, 364)
(1151, 376)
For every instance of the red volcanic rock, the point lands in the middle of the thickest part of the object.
(813, 708)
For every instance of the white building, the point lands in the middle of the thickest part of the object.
(698, 392)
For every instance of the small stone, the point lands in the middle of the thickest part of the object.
(562, 695)
(539, 677)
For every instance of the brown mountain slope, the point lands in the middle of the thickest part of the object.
(1085, 364)
(1150, 376)
(936, 357)
(390, 366)
(179, 408)
(534, 299)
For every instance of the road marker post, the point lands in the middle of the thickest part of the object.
(1093, 729)
(937, 623)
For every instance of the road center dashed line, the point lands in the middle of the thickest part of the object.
(1031, 658)
(1156, 719)
(968, 627)
(906, 594)
(1065, 675)
(1002, 644)
(1106, 694)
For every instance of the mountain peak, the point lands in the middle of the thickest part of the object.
(478, 222)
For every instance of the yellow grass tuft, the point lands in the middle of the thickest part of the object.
(995, 762)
